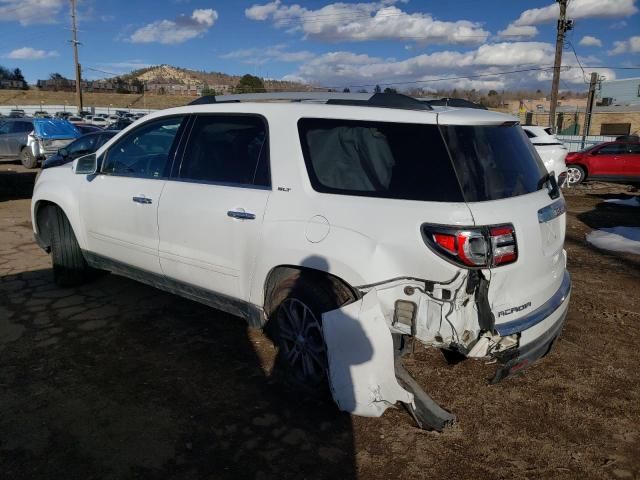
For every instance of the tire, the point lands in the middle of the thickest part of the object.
(575, 175)
(295, 326)
(69, 266)
(27, 158)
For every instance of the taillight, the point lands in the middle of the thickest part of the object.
(474, 247)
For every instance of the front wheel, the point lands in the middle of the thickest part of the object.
(69, 266)
(27, 158)
(575, 174)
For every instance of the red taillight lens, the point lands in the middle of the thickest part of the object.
(503, 245)
(478, 247)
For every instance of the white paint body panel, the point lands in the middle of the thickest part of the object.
(361, 362)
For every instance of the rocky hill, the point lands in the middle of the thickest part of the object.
(167, 74)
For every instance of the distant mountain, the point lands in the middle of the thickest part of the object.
(221, 82)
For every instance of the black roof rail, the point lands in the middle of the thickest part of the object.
(383, 100)
(455, 102)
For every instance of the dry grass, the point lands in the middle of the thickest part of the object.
(35, 97)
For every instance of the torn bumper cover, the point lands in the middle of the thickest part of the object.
(538, 331)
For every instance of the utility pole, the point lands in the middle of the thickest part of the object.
(75, 44)
(590, 99)
(563, 26)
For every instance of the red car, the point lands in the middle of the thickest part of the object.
(617, 161)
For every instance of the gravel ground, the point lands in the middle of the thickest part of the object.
(117, 380)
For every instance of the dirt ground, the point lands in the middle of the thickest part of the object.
(116, 380)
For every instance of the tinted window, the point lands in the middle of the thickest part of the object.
(103, 139)
(4, 128)
(613, 149)
(377, 159)
(227, 149)
(494, 162)
(146, 151)
(634, 148)
(529, 134)
(21, 127)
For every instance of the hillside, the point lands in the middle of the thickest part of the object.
(167, 74)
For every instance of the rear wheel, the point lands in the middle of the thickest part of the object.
(295, 326)
(27, 158)
(575, 174)
(69, 266)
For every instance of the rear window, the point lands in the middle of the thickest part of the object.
(376, 159)
(493, 162)
(418, 161)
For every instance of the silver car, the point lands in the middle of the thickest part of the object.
(13, 139)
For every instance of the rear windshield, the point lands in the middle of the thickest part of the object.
(493, 162)
(418, 161)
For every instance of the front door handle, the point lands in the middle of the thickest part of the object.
(241, 214)
(142, 199)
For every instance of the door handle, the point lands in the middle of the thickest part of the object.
(241, 214)
(142, 199)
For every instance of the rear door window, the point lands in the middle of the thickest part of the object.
(378, 159)
(227, 149)
(613, 149)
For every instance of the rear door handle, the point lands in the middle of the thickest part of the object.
(241, 214)
(142, 199)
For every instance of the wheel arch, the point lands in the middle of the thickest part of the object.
(282, 273)
(65, 201)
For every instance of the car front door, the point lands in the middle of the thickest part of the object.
(120, 203)
(4, 139)
(608, 161)
(211, 210)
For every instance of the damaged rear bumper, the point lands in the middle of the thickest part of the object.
(544, 327)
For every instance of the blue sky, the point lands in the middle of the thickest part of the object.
(462, 43)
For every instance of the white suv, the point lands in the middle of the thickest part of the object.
(345, 224)
(552, 151)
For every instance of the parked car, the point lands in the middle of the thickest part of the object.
(98, 121)
(75, 119)
(41, 114)
(64, 115)
(113, 118)
(344, 229)
(47, 137)
(14, 133)
(551, 150)
(16, 113)
(84, 145)
(609, 161)
(87, 128)
(120, 124)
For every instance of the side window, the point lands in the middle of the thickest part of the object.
(634, 148)
(144, 152)
(227, 149)
(22, 127)
(612, 149)
(4, 128)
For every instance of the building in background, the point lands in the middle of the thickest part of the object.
(618, 92)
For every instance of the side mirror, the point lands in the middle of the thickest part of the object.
(87, 165)
(63, 152)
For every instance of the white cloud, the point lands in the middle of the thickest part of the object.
(518, 32)
(28, 53)
(367, 21)
(482, 68)
(259, 56)
(626, 46)
(179, 30)
(29, 12)
(589, 41)
(578, 9)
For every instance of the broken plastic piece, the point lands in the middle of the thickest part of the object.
(361, 358)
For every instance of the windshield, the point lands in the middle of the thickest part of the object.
(493, 162)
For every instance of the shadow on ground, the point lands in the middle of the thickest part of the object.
(15, 184)
(118, 380)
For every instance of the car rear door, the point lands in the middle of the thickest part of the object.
(120, 204)
(211, 211)
(608, 161)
